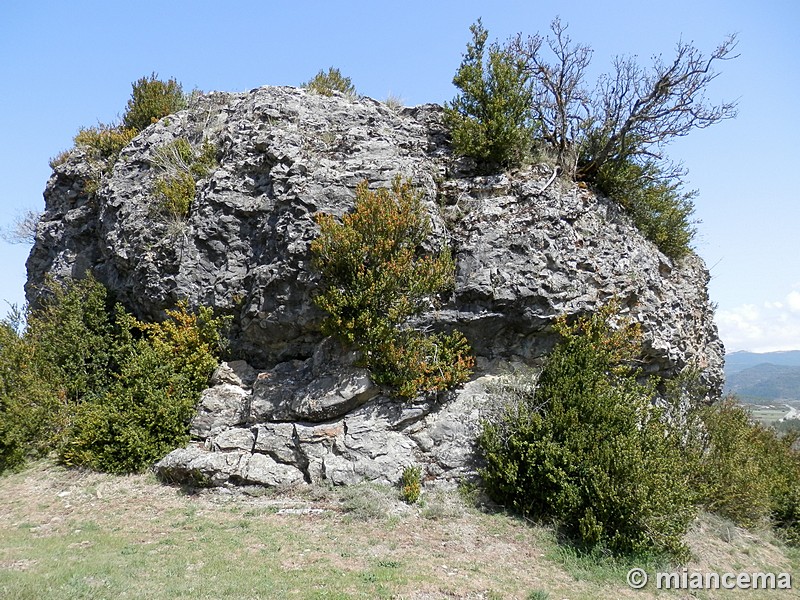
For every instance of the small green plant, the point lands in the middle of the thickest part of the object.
(333, 81)
(490, 119)
(585, 446)
(410, 484)
(374, 278)
(181, 168)
(151, 99)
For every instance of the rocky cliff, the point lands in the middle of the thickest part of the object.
(293, 407)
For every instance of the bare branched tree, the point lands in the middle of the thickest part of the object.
(561, 103)
(636, 112)
(23, 231)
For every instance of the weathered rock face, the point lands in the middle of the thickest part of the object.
(524, 255)
(375, 440)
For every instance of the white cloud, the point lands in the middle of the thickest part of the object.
(769, 327)
(793, 300)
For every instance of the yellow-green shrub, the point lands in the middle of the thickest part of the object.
(374, 278)
(103, 144)
(411, 484)
(104, 141)
(181, 168)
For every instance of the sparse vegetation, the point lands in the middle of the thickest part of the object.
(23, 231)
(394, 101)
(77, 534)
(374, 279)
(181, 168)
(333, 81)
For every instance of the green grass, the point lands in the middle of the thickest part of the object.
(74, 534)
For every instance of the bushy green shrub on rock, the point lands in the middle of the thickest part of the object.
(151, 99)
(490, 119)
(374, 278)
(585, 446)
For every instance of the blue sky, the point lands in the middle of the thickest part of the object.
(64, 65)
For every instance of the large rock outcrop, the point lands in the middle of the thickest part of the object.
(526, 252)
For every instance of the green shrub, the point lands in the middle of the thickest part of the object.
(71, 334)
(152, 99)
(146, 411)
(659, 209)
(411, 485)
(333, 81)
(375, 278)
(585, 446)
(490, 119)
(28, 404)
(63, 357)
(749, 474)
(99, 387)
(103, 143)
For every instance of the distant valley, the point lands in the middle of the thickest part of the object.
(771, 377)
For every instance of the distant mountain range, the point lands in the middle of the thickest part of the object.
(767, 377)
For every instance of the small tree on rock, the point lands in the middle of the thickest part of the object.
(374, 278)
(490, 118)
(333, 81)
